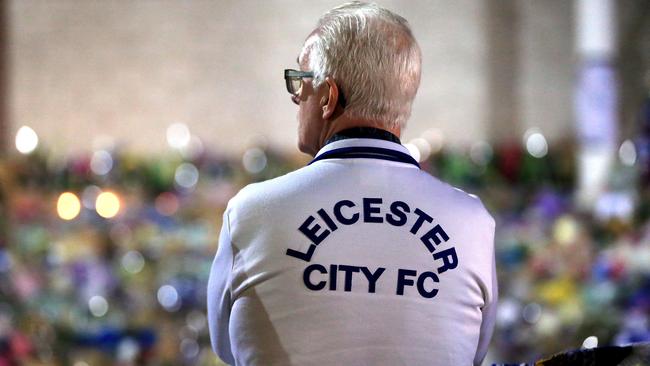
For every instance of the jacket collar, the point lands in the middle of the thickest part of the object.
(364, 132)
(365, 143)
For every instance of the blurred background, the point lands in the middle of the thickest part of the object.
(125, 127)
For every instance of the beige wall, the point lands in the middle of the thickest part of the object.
(127, 69)
(547, 75)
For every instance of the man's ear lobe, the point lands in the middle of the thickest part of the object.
(332, 98)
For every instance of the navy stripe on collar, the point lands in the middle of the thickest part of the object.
(370, 152)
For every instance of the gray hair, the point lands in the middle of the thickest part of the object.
(374, 58)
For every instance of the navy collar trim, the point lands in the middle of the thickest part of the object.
(379, 144)
(369, 152)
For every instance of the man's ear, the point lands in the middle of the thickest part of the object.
(330, 101)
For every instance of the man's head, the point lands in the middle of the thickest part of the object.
(366, 66)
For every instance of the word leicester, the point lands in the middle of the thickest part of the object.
(345, 212)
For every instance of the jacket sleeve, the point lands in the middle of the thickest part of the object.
(489, 310)
(219, 295)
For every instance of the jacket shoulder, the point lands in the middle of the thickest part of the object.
(257, 196)
(468, 203)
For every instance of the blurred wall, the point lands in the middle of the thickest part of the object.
(546, 69)
(127, 69)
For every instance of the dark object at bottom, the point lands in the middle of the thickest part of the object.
(632, 355)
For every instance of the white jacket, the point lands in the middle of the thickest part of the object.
(354, 260)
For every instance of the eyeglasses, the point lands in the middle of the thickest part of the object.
(293, 78)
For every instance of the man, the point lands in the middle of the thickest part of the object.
(359, 258)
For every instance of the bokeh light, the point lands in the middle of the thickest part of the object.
(590, 342)
(101, 162)
(435, 138)
(189, 348)
(254, 160)
(26, 140)
(532, 313)
(168, 298)
(627, 153)
(98, 306)
(565, 230)
(107, 205)
(68, 206)
(508, 312)
(166, 203)
(196, 320)
(186, 175)
(423, 146)
(481, 153)
(178, 135)
(535, 143)
(127, 350)
(133, 262)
